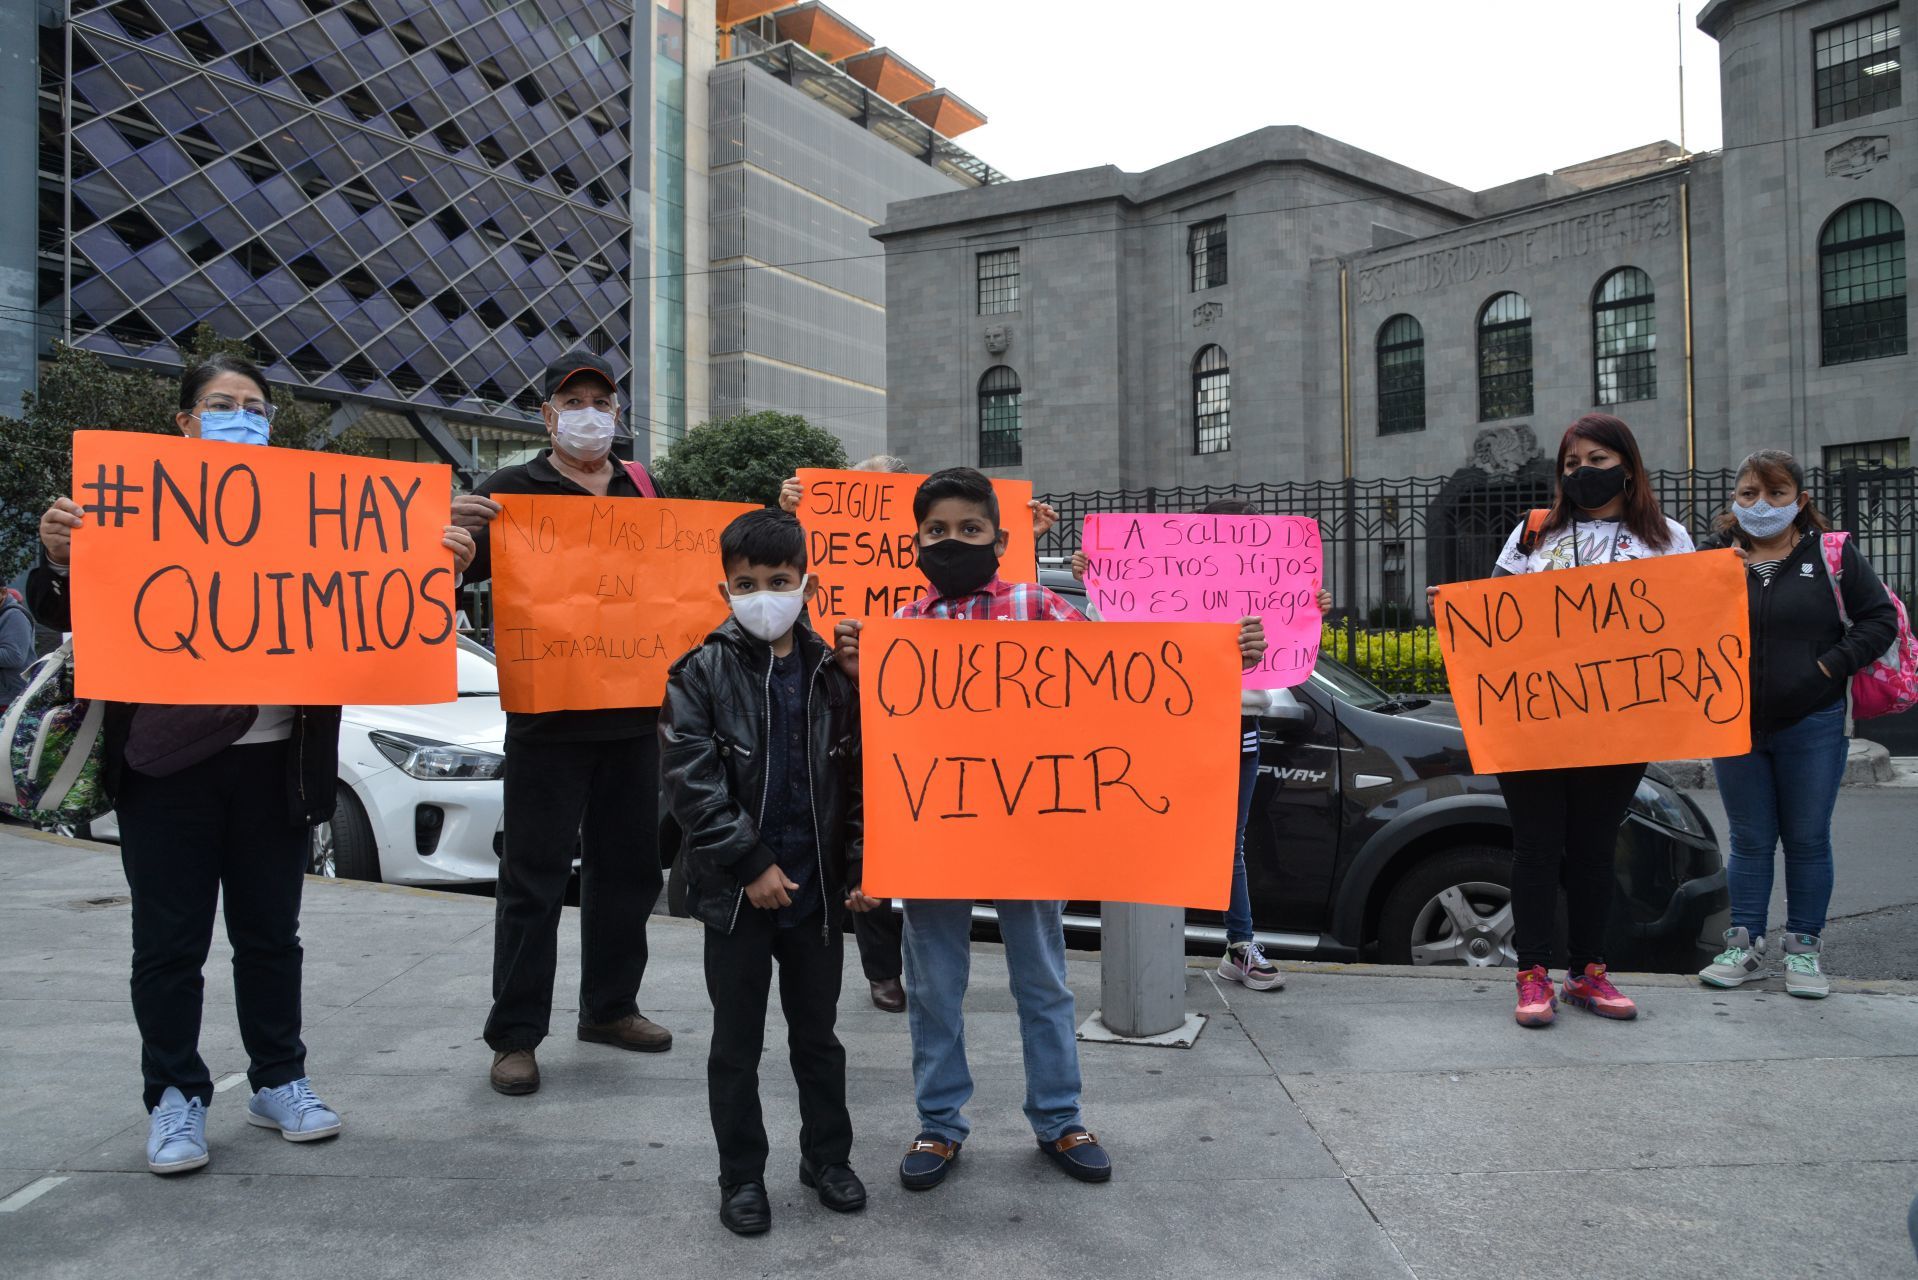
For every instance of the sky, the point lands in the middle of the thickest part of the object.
(1477, 92)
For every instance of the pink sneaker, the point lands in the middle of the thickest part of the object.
(1537, 1006)
(1594, 991)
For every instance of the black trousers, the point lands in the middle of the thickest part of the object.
(880, 932)
(739, 970)
(221, 825)
(600, 799)
(1564, 833)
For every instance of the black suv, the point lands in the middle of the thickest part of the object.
(1371, 837)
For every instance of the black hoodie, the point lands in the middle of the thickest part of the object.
(1795, 625)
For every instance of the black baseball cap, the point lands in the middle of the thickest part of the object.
(562, 371)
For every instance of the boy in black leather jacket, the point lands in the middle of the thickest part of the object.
(759, 747)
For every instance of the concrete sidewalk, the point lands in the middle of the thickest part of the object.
(1363, 1123)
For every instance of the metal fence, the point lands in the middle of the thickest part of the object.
(1387, 540)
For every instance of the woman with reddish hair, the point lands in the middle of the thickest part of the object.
(1565, 821)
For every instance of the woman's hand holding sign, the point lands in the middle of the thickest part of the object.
(461, 544)
(56, 529)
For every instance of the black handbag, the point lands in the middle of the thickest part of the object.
(162, 740)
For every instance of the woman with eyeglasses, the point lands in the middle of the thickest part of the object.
(212, 801)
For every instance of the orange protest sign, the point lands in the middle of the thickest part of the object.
(1611, 664)
(863, 543)
(594, 598)
(1050, 760)
(212, 572)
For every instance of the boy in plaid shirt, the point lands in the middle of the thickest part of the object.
(960, 543)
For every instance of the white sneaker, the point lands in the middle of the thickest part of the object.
(1803, 977)
(1742, 960)
(1245, 963)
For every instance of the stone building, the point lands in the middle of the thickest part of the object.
(812, 132)
(1285, 307)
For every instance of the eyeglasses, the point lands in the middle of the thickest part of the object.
(227, 404)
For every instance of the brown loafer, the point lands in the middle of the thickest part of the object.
(515, 1071)
(634, 1031)
(889, 995)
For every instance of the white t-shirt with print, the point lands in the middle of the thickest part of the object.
(1586, 542)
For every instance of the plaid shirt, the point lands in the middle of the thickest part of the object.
(998, 600)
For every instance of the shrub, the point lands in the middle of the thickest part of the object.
(1404, 661)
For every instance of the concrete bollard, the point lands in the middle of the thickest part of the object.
(1141, 968)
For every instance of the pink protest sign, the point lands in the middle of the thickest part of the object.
(1157, 568)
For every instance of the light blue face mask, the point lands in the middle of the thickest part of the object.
(240, 426)
(1762, 520)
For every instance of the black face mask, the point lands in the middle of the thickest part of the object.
(1590, 488)
(956, 568)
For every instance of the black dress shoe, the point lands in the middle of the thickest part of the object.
(744, 1209)
(887, 994)
(838, 1186)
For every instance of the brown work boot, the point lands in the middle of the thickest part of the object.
(889, 995)
(515, 1072)
(634, 1031)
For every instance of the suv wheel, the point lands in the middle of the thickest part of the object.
(1451, 908)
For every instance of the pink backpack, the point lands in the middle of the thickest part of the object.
(1889, 684)
(642, 479)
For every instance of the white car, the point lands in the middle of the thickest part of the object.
(420, 792)
(420, 797)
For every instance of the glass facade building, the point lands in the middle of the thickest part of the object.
(404, 206)
(670, 281)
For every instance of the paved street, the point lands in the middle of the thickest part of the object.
(1363, 1123)
(1873, 929)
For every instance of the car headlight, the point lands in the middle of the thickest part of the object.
(432, 761)
(1656, 802)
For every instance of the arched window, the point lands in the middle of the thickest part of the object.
(1861, 279)
(999, 418)
(1401, 376)
(1624, 338)
(1211, 401)
(1504, 358)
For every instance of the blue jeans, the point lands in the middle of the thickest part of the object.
(1785, 788)
(1238, 912)
(938, 953)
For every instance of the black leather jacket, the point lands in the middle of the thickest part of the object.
(712, 746)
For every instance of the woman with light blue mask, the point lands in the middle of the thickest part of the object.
(1803, 654)
(214, 805)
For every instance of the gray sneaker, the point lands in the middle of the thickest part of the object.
(1802, 975)
(1740, 961)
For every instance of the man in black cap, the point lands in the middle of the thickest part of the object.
(574, 779)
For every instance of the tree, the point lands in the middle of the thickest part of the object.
(746, 457)
(80, 391)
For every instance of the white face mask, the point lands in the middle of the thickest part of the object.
(768, 615)
(585, 433)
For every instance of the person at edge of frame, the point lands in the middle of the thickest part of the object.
(1803, 655)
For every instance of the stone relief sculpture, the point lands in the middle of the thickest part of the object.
(1504, 450)
(1856, 157)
